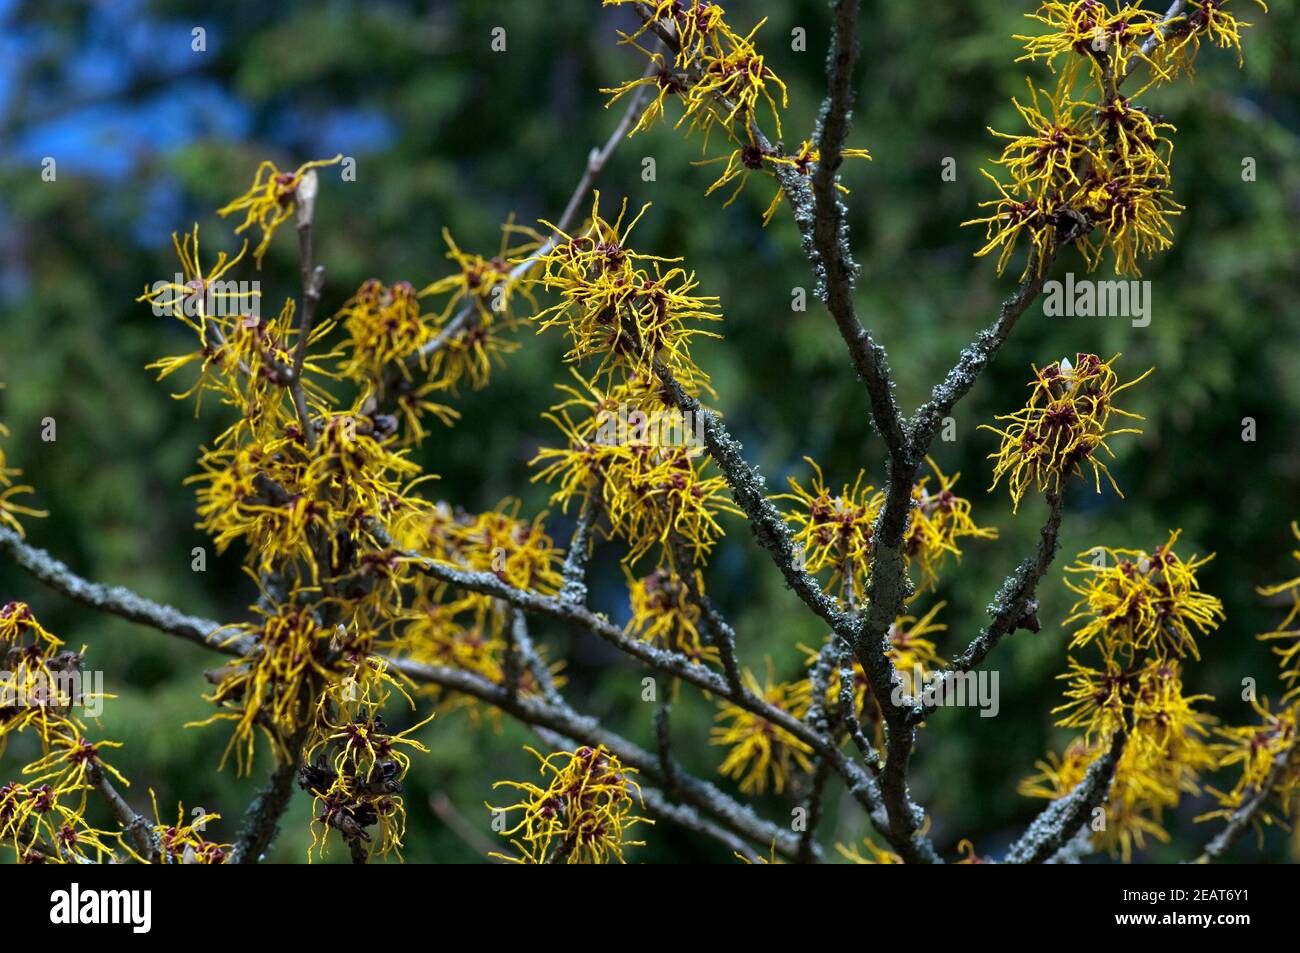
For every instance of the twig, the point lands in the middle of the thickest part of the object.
(749, 490)
(313, 279)
(458, 824)
(261, 821)
(574, 569)
(721, 635)
(118, 600)
(596, 161)
(132, 822)
(813, 812)
(1060, 821)
(1244, 816)
(689, 819)
(1013, 608)
(975, 357)
(1155, 39)
(829, 255)
(663, 742)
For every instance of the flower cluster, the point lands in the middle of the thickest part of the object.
(834, 530)
(1266, 755)
(271, 200)
(652, 482)
(353, 765)
(628, 309)
(1141, 600)
(721, 80)
(467, 630)
(581, 816)
(1092, 165)
(321, 491)
(1064, 424)
(665, 614)
(391, 335)
(43, 816)
(762, 751)
(1142, 613)
(186, 841)
(270, 691)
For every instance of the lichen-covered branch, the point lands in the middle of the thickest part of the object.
(1014, 607)
(1060, 821)
(1245, 816)
(117, 600)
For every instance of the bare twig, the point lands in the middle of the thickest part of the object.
(813, 812)
(118, 600)
(830, 256)
(574, 569)
(261, 821)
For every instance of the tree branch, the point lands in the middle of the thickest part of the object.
(1245, 815)
(1014, 607)
(1061, 820)
(118, 600)
(132, 822)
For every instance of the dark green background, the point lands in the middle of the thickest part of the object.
(150, 137)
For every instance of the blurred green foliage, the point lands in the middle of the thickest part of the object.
(448, 134)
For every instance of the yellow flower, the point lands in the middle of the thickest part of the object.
(665, 615)
(1035, 216)
(1208, 20)
(487, 283)
(1256, 751)
(201, 295)
(1064, 424)
(353, 765)
(581, 816)
(1089, 30)
(939, 518)
(184, 842)
(626, 308)
(270, 690)
(874, 855)
(384, 326)
(271, 200)
(634, 451)
(1142, 601)
(1045, 160)
(834, 530)
(760, 750)
(1094, 161)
